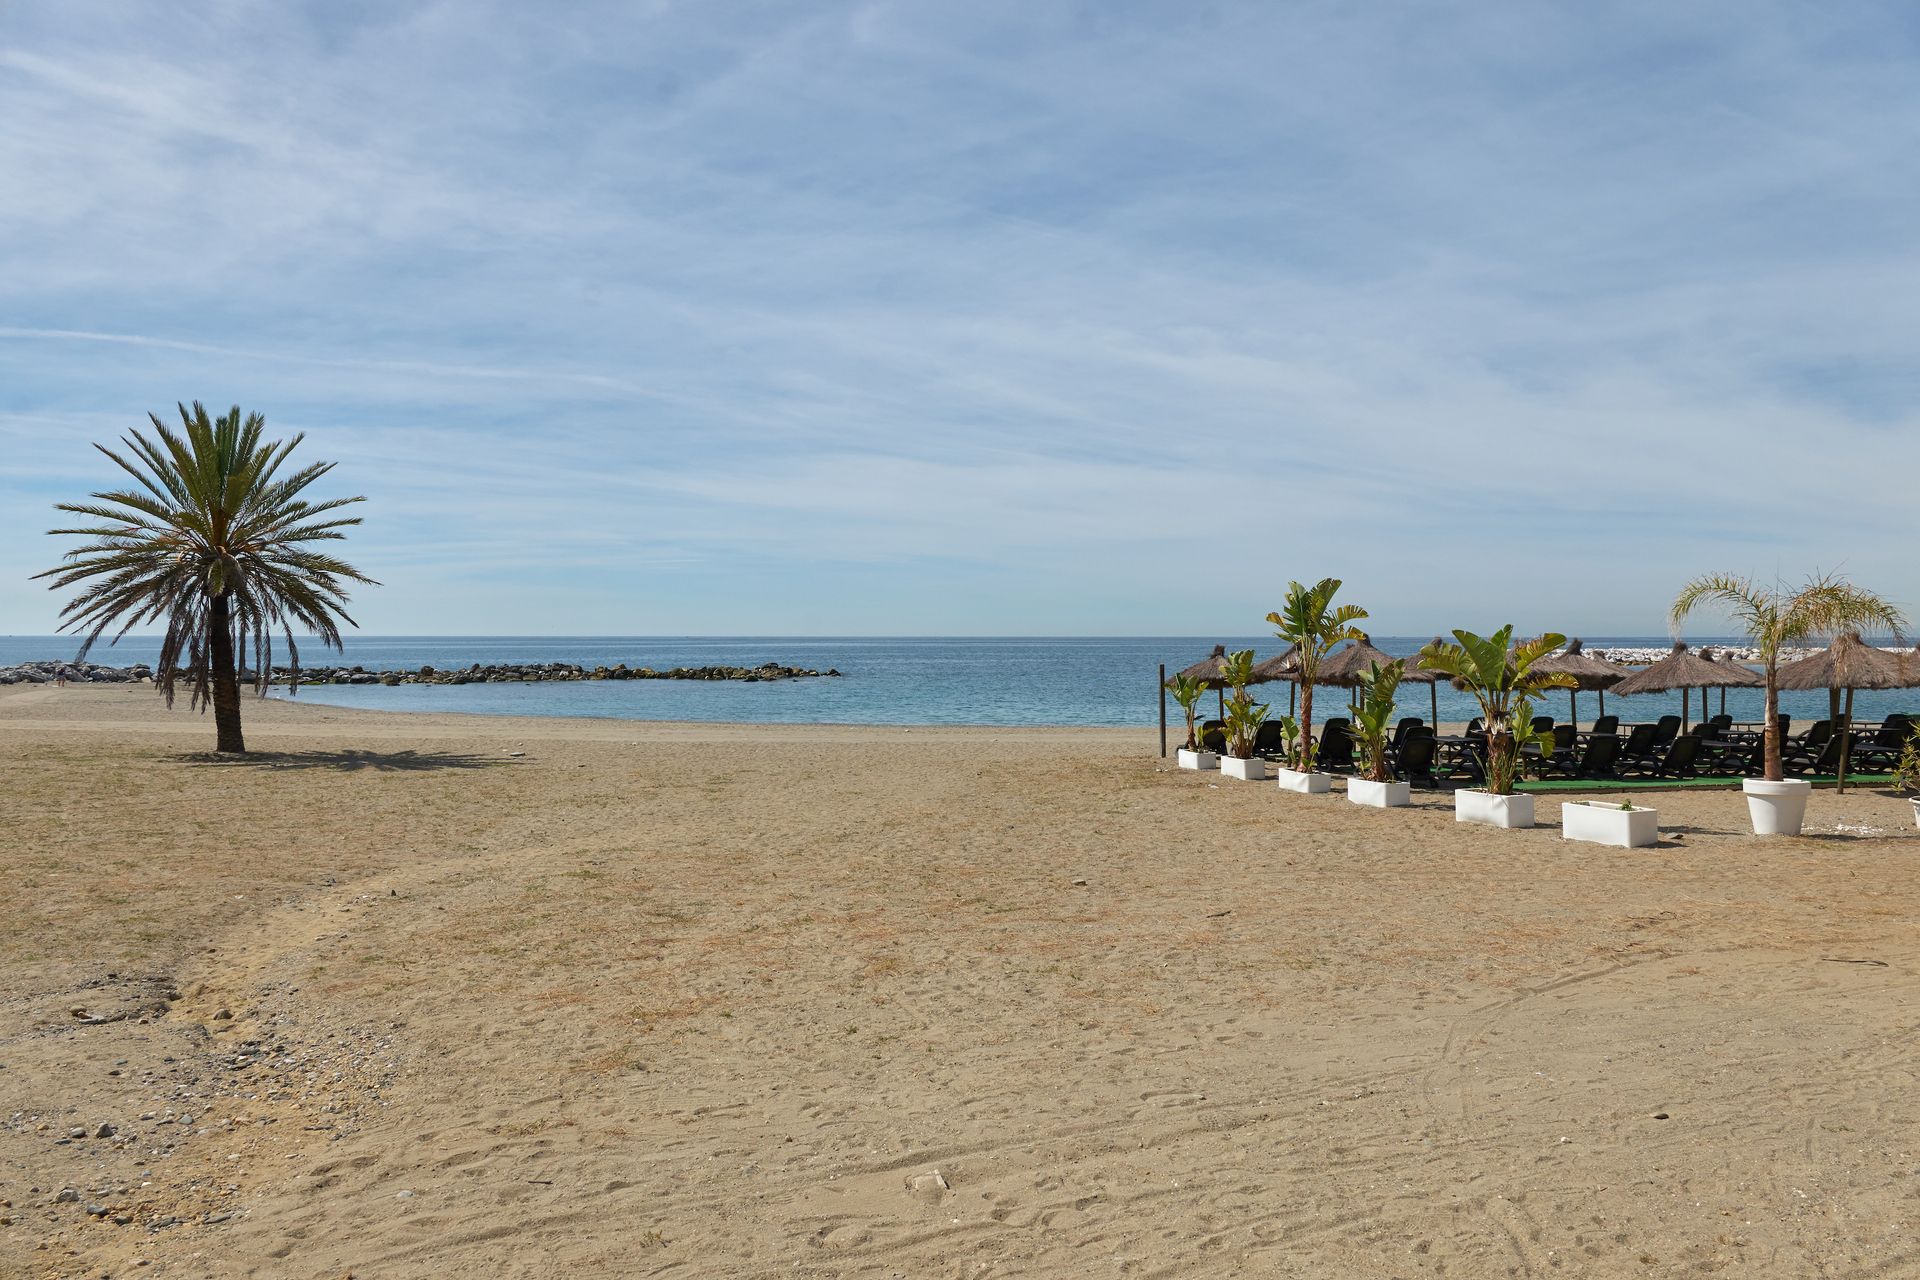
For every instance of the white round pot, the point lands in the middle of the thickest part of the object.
(1312, 784)
(1490, 810)
(1915, 802)
(1379, 795)
(1777, 808)
(1252, 769)
(1197, 759)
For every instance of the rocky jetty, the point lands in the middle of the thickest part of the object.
(1640, 657)
(499, 673)
(77, 673)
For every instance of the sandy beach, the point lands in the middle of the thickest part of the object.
(421, 996)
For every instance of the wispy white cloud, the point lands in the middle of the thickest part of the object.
(1013, 317)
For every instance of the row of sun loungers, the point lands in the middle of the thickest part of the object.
(1713, 748)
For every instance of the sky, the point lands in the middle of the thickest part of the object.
(986, 318)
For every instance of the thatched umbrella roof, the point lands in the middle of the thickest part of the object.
(1683, 669)
(1349, 666)
(1851, 663)
(1207, 670)
(1282, 666)
(1587, 671)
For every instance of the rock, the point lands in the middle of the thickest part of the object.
(96, 1211)
(929, 1186)
(105, 1131)
(67, 1195)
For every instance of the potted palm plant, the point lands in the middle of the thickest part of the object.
(1244, 718)
(1906, 771)
(1774, 619)
(1313, 624)
(1502, 678)
(1186, 691)
(1372, 725)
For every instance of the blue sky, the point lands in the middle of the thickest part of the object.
(986, 318)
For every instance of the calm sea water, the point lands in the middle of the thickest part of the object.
(1010, 681)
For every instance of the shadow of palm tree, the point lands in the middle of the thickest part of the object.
(349, 761)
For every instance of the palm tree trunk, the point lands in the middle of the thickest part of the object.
(226, 680)
(1774, 773)
(1306, 722)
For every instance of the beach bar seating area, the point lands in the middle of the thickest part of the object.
(1517, 747)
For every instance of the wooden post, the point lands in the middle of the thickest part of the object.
(1846, 741)
(1433, 688)
(1163, 711)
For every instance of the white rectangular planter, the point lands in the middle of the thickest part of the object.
(1603, 822)
(1379, 795)
(1312, 784)
(1491, 810)
(1252, 769)
(1197, 759)
(1916, 812)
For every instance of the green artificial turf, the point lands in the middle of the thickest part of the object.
(1679, 784)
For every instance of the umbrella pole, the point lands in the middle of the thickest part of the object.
(1434, 689)
(1163, 711)
(1602, 695)
(1293, 691)
(1686, 708)
(1846, 741)
(1723, 699)
(1573, 707)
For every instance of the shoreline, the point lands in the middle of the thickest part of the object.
(181, 719)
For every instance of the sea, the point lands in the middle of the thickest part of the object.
(1009, 680)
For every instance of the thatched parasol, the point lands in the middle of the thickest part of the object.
(1588, 672)
(1850, 663)
(1687, 671)
(1207, 670)
(1347, 668)
(1282, 666)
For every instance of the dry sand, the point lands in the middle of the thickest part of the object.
(494, 998)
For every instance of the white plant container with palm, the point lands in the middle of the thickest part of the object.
(1244, 718)
(1775, 619)
(1313, 624)
(1906, 771)
(1186, 691)
(1375, 785)
(1501, 677)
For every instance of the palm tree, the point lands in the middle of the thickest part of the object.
(1503, 679)
(215, 542)
(1313, 625)
(1775, 619)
